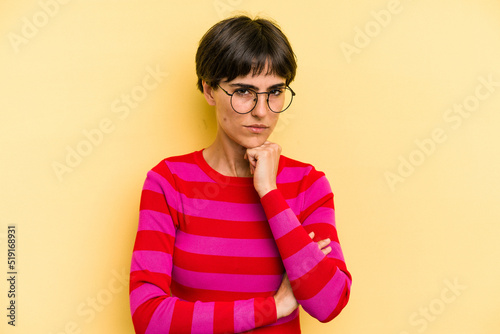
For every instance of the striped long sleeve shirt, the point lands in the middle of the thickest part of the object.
(210, 254)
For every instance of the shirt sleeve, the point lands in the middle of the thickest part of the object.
(321, 284)
(153, 308)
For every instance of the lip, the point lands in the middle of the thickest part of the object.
(256, 128)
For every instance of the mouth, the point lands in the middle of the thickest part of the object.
(256, 128)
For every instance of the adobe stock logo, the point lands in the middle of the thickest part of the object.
(421, 319)
(454, 118)
(225, 7)
(30, 28)
(90, 308)
(363, 36)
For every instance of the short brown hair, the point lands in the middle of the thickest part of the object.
(236, 46)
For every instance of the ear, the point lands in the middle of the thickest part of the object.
(208, 91)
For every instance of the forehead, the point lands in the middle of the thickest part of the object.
(260, 81)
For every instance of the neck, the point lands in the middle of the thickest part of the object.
(227, 158)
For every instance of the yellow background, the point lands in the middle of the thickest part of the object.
(357, 114)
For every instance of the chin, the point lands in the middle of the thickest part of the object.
(255, 142)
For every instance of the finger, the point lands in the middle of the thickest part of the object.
(252, 158)
(327, 250)
(311, 235)
(323, 243)
(252, 165)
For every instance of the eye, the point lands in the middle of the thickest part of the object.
(242, 92)
(277, 91)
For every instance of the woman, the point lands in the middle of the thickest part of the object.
(234, 237)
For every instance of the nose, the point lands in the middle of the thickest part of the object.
(262, 107)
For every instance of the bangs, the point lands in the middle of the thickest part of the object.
(257, 55)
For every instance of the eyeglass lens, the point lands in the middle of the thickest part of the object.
(245, 100)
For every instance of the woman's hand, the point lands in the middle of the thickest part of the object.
(264, 162)
(285, 300)
(323, 244)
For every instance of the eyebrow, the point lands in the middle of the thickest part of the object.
(242, 85)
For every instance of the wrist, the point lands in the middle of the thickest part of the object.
(264, 191)
(278, 310)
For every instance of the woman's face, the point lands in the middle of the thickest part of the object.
(251, 129)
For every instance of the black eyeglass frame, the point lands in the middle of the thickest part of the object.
(257, 100)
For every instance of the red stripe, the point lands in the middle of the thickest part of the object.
(289, 162)
(182, 317)
(163, 170)
(322, 231)
(292, 242)
(290, 327)
(134, 285)
(216, 192)
(160, 173)
(311, 178)
(273, 203)
(264, 311)
(154, 201)
(144, 313)
(308, 285)
(325, 201)
(137, 278)
(189, 158)
(228, 264)
(162, 206)
(342, 266)
(193, 294)
(224, 317)
(289, 190)
(227, 229)
(154, 241)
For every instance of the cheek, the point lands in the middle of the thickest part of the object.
(275, 120)
(226, 122)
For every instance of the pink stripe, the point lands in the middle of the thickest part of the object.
(142, 294)
(154, 182)
(336, 252)
(321, 215)
(282, 223)
(150, 220)
(244, 318)
(203, 318)
(296, 203)
(222, 210)
(324, 302)
(225, 246)
(226, 282)
(303, 261)
(157, 262)
(292, 174)
(188, 172)
(317, 190)
(162, 317)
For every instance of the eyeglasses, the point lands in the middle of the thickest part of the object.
(244, 100)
